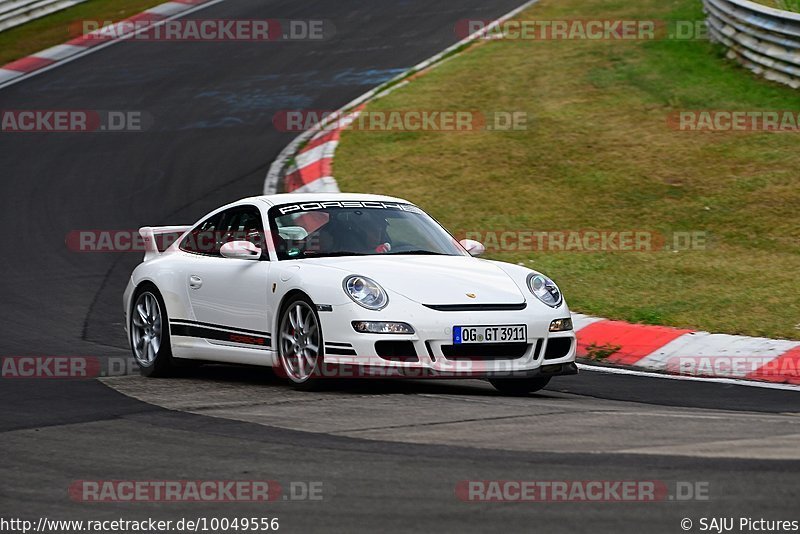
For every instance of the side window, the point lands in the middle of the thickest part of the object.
(242, 223)
(202, 239)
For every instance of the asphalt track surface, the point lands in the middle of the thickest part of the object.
(389, 454)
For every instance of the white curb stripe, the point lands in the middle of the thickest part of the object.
(718, 346)
(59, 52)
(8, 74)
(309, 157)
(291, 169)
(167, 9)
(326, 184)
(580, 321)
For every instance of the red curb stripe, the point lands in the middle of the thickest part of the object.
(635, 341)
(29, 64)
(321, 140)
(318, 169)
(783, 369)
(308, 174)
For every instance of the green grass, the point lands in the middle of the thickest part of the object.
(59, 27)
(599, 155)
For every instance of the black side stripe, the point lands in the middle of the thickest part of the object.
(218, 327)
(342, 352)
(219, 335)
(343, 349)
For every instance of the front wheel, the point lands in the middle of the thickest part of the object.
(519, 386)
(149, 334)
(300, 343)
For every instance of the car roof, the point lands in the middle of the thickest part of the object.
(289, 198)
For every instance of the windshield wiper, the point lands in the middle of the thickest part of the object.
(335, 254)
(417, 253)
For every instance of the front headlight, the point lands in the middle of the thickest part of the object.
(366, 292)
(561, 325)
(382, 327)
(545, 290)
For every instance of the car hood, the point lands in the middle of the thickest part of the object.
(434, 279)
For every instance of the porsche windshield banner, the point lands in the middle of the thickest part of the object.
(315, 206)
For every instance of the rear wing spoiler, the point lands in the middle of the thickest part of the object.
(150, 234)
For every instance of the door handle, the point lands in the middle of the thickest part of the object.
(195, 282)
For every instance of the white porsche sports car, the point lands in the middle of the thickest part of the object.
(342, 285)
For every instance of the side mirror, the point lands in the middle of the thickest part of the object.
(474, 248)
(240, 250)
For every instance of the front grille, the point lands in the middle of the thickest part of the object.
(557, 347)
(396, 351)
(485, 351)
(477, 307)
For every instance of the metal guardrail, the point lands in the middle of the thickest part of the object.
(16, 12)
(763, 39)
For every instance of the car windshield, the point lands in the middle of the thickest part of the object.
(356, 228)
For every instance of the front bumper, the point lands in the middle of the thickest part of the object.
(429, 351)
(419, 372)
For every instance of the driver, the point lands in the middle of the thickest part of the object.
(371, 226)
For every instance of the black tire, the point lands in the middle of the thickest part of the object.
(162, 363)
(519, 386)
(308, 378)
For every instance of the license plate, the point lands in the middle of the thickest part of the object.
(490, 334)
